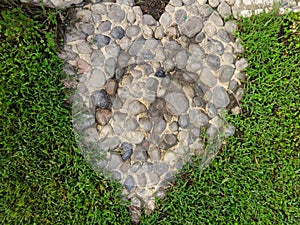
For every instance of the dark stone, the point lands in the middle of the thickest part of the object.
(160, 73)
(100, 99)
(117, 32)
(129, 183)
(101, 40)
(127, 150)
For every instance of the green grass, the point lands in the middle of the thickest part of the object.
(45, 180)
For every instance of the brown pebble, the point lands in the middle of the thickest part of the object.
(83, 66)
(111, 87)
(103, 116)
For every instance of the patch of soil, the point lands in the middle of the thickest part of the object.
(153, 7)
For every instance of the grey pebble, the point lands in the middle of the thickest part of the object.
(215, 47)
(127, 150)
(184, 121)
(115, 13)
(220, 97)
(117, 32)
(226, 73)
(213, 61)
(208, 78)
(161, 168)
(100, 99)
(177, 103)
(101, 40)
(129, 183)
(191, 26)
(104, 26)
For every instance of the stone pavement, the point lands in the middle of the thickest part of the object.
(150, 91)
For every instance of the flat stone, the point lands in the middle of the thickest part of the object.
(83, 120)
(196, 51)
(181, 59)
(161, 168)
(129, 183)
(110, 67)
(184, 121)
(123, 59)
(213, 61)
(191, 26)
(149, 20)
(216, 19)
(86, 28)
(115, 13)
(151, 84)
(220, 97)
(84, 15)
(103, 116)
(154, 154)
(147, 55)
(200, 37)
(224, 10)
(97, 79)
(142, 181)
(177, 103)
(223, 35)
(173, 127)
(241, 64)
(117, 32)
(84, 48)
(209, 28)
(226, 73)
(136, 107)
(180, 16)
(211, 110)
(188, 2)
(101, 40)
(109, 143)
(208, 78)
(170, 139)
(104, 27)
(152, 178)
(135, 137)
(214, 3)
(176, 3)
(136, 46)
(139, 154)
(97, 58)
(100, 99)
(127, 149)
(115, 161)
(117, 175)
(228, 58)
(75, 35)
(205, 10)
(215, 47)
(159, 125)
(230, 26)
(145, 124)
(133, 31)
(131, 124)
(119, 117)
(198, 118)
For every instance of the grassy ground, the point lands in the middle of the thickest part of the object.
(44, 179)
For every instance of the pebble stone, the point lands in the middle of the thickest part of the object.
(149, 86)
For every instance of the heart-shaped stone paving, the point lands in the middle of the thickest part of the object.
(149, 91)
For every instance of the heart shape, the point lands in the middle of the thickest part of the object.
(149, 91)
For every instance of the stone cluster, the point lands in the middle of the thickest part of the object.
(149, 89)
